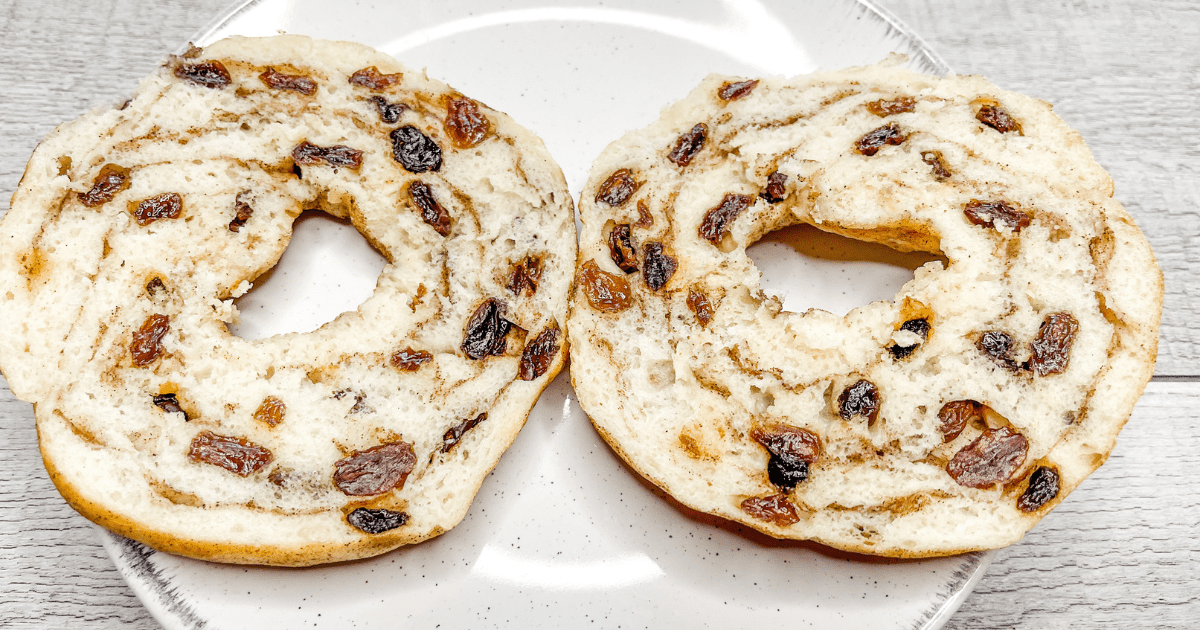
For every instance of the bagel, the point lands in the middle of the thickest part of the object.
(948, 419)
(134, 228)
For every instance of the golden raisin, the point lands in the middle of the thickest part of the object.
(777, 509)
(294, 82)
(410, 360)
(375, 470)
(731, 91)
(699, 304)
(147, 340)
(900, 105)
(111, 180)
(371, 78)
(604, 291)
(237, 455)
(164, 206)
(465, 124)
(271, 411)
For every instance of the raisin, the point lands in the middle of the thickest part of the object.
(1043, 487)
(1051, 349)
(918, 326)
(210, 74)
(237, 455)
(657, 266)
(111, 180)
(699, 304)
(242, 212)
(688, 145)
(901, 105)
(620, 246)
(147, 340)
(486, 331)
(954, 417)
(271, 411)
(410, 360)
(991, 459)
(860, 399)
(525, 276)
(388, 112)
(604, 291)
(294, 82)
(776, 189)
(645, 219)
(432, 212)
(874, 140)
(164, 206)
(336, 156)
(465, 125)
(989, 213)
(155, 286)
(997, 118)
(731, 91)
(415, 151)
(374, 471)
(792, 449)
(618, 188)
(452, 436)
(998, 346)
(716, 221)
(936, 162)
(539, 354)
(372, 79)
(376, 521)
(775, 509)
(170, 404)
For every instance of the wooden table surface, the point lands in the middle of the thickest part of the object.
(1122, 551)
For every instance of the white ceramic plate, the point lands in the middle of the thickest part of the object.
(562, 534)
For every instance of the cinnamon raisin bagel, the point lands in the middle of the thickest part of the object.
(134, 228)
(948, 419)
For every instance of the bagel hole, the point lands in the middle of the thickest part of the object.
(327, 269)
(810, 268)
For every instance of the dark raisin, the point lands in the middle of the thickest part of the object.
(657, 266)
(210, 74)
(111, 180)
(777, 509)
(645, 219)
(451, 437)
(937, 163)
(237, 455)
(716, 221)
(410, 360)
(336, 156)
(376, 521)
(997, 118)
(874, 140)
(989, 213)
(954, 416)
(415, 151)
(388, 112)
(294, 82)
(525, 275)
(991, 459)
(860, 399)
(164, 206)
(374, 471)
(901, 105)
(699, 304)
(1051, 349)
(155, 286)
(170, 404)
(776, 189)
(731, 91)
(271, 411)
(486, 331)
(1043, 487)
(604, 291)
(539, 354)
(688, 145)
(918, 326)
(372, 79)
(618, 188)
(792, 449)
(432, 212)
(465, 124)
(620, 247)
(242, 211)
(998, 346)
(147, 340)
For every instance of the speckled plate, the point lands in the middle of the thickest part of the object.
(563, 534)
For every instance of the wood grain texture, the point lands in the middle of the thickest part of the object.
(1122, 551)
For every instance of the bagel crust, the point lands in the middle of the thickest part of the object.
(949, 419)
(134, 229)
